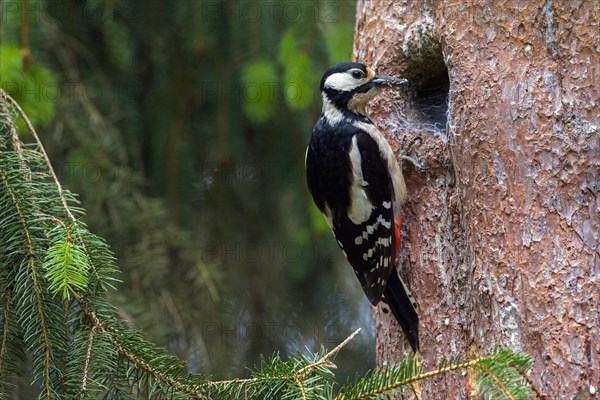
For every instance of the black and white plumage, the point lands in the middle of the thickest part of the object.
(357, 183)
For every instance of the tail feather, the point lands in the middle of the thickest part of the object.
(402, 304)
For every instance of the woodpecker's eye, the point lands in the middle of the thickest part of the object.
(357, 74)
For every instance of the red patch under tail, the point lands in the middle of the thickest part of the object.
(397, 226)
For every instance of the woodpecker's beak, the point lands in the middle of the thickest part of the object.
(383, 80)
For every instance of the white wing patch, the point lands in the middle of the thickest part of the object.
(392, 163)
(328, 218)
(305, 156)
(360, 206)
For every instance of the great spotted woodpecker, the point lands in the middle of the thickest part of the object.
(357, 183)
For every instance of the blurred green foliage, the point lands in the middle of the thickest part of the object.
(259, 78)
(183, 127)
(35, 87)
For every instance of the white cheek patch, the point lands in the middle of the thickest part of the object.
(330, 112)
(343, 81)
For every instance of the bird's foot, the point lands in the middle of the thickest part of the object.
(405, 150)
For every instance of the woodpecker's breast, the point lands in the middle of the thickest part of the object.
(351, 169)
(328, 167)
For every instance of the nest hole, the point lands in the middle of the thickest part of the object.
(430, 102)
(428, 94)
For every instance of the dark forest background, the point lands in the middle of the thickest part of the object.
(182, 125)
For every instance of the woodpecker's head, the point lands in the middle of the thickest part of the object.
(348, 87)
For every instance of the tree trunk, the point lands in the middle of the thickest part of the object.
(502, 232)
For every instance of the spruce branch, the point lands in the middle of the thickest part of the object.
(14, 137)
(118, 340)
(6, 318)
(308, 369)
(301, 373)
(67, 260)
(497, 382)
(66, 264)
(40, 148)
(538, 394)
(309, 378)
(86, 367)
(33, 278)
(497, 373)
(304, 372)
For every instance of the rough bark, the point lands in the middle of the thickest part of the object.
(502, 236)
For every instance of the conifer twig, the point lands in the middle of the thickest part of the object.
(31, 261)
(59, 187)
(498, 382)
(309, 368)
(538, 394)
(5, 331)
(14, 137)
(301, 373)
(413, 379)
(300, 385)
(42, 151)
(168, 380)
(86, 367)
